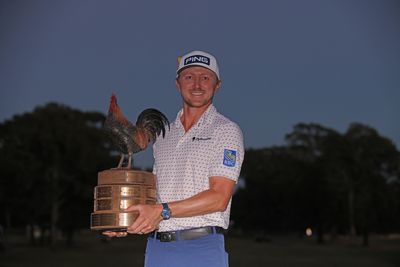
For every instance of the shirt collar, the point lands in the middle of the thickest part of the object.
(207, 116)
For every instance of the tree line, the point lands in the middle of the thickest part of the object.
(49, 159)
(333, 183)
(337, 183)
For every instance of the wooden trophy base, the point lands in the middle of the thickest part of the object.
(117, 190)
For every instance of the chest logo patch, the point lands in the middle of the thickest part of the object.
(201, 138)
(229, 157)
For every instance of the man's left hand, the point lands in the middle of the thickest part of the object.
(148, 220)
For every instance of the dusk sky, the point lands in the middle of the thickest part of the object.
(281, 62)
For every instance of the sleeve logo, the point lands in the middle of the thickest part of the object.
(229, 157)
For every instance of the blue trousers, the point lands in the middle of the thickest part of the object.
(205, 251)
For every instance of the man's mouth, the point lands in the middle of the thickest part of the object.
(197, 93)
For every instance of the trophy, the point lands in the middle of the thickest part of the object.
(120, 187)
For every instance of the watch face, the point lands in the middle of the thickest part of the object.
(165, 214)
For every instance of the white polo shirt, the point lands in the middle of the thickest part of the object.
(184, 162)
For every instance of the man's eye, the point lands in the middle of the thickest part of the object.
(188, 77)
(205, 78)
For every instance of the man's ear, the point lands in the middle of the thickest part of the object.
(218, 85)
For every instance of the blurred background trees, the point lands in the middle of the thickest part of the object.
(49, 160)
(333, 183)
(338, 183)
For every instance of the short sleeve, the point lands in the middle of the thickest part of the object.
(227, 154)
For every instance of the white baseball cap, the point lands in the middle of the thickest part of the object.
(198, 58)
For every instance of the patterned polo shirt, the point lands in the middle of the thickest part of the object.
(184, 162)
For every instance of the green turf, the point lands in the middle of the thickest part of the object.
(278, 251)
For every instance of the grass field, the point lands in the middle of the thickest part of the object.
(279, 251)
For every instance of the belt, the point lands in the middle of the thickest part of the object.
(188, 234)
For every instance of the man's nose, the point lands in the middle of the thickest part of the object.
(197, 82)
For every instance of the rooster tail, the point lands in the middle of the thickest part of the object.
(153, 121)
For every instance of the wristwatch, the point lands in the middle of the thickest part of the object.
(166, 212)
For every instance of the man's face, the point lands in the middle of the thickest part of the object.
(197, 86)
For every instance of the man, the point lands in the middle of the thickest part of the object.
(197, 165)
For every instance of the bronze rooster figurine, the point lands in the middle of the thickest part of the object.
(129, 138)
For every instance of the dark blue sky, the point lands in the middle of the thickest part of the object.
(281, 62)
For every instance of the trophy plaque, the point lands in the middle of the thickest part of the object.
(118, 189)
(121, 187)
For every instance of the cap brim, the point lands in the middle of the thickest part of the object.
(194, 65)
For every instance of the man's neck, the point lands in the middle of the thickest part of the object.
(191, 115)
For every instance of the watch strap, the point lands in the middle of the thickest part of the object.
(166, 212)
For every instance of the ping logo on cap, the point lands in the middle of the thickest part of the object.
(197, 59)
